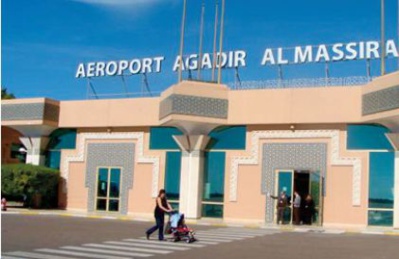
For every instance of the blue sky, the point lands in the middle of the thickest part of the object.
(43, 41)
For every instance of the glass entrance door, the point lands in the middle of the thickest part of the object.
(304, 182)
(316, 191)
(108, 189)
(285, 183)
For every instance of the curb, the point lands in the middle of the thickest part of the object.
(210, 224)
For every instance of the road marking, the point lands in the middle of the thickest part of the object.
(200, 241)
(171, 244)
(228, 233)
(37, 255)
(207, 239)
(301, 230)
(90, 255)
(333, 231)
(239, 231)
(185, 244)
(129, 248)
(224, 235)
(148, 245)
(220, 236)
(236, 233)
(10, 257)
(94, 250)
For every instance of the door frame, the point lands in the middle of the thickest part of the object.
(321, 192)
(107, 198)
(277, 191)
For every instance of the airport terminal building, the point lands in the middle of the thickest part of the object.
(218, 151)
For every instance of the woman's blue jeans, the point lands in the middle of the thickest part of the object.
(159, 220)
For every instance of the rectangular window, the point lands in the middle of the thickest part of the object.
(172, 178)
(213, 185)
(380, 218)
(162, 138)
(212, 210)
(16, 153)
(108, 189)
(381, 189)
(371, 137)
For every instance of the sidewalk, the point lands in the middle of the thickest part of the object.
(210, 222)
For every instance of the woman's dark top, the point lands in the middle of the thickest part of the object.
(158, 211)
(309, 207)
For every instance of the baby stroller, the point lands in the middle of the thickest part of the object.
(178, 230)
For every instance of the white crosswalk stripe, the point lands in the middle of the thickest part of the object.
(224, 232)
(37, 255)
(141, 247)
(89, 255)
(11, 257)
(149, 245)
(208, 242)
(220, 236)
(102, 251)
(169, 244)
(233, 237)
(135, 249)
(240, 231)
(208, 239)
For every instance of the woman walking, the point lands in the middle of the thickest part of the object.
(161, 206)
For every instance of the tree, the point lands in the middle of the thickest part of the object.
(5, 95)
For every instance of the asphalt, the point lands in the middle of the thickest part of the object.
(207, 222)
(30, 232)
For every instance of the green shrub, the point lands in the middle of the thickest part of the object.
(19, 180)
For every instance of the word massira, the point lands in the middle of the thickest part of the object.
(328, 53)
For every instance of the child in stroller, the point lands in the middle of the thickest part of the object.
(178, 229)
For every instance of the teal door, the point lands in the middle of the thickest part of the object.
(285, 182)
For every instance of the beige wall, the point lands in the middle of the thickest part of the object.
(285, 106)
(109, 113)
(250, 107)
(250, 205)
(140, 200)
(77, 193)
(382, 82)
(338, 207)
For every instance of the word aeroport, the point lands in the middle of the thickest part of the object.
(112, 68)
(328, 53)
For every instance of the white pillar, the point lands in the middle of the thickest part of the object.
(396, 192)
(34, 149)
(191, 184)
(191, 174)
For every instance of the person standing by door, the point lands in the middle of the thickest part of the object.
(161, 206)
(297, 208)
(282, 203)
(308, 210)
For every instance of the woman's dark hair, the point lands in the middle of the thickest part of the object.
(162, 191)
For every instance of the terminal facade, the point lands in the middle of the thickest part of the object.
(219, 152)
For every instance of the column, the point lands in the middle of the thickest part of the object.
(34, 149)
(191, 174)
(396, 193)
(394, 140)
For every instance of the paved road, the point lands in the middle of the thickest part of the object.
(42, 237)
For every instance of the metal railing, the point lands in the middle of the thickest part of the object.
(301, 83)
